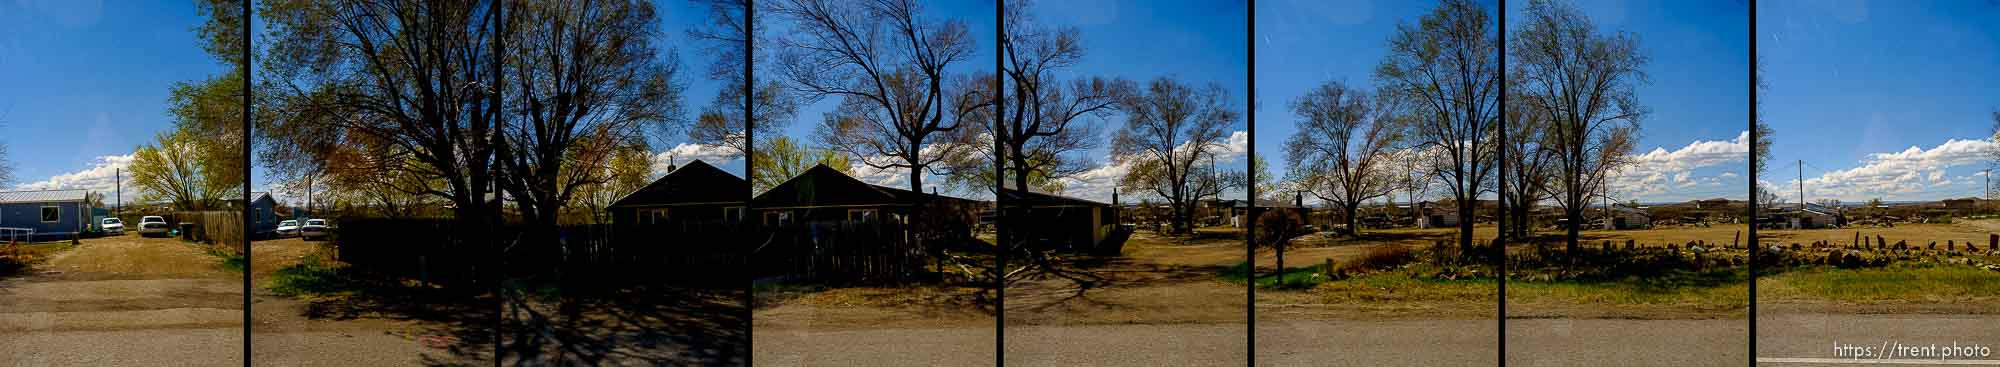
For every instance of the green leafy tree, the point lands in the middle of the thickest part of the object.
(780, 159)
(171, 169)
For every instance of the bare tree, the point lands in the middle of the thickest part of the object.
(1045, 122)
(1416, 178)
(1447, 65)
(1173, 134)
(721, 121)
(1585, 82)
(411, 84)
(1340, 146)
(890, 67)
(1529, 157)
(583, 79)
(6, 166)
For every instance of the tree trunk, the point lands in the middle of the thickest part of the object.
(1465, 225)
(1350, 209)
(1575, 215)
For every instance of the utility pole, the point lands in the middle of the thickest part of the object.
(118, 187)
(1802, 184)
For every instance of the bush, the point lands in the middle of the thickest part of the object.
(311, 276)
(1384, 257)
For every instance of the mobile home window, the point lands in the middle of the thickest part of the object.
(51, 214)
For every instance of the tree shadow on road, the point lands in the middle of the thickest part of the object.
(459, 323)
(657, 325)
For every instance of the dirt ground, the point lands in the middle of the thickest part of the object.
(293, 323)
(139, 301)
(1161, 280)
(123, 282)
(1961, 232)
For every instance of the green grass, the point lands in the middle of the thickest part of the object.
(233, 262)
(1902, 282)
(312, 276)
(1400, 286)
(1294, 278)
(1713, 289)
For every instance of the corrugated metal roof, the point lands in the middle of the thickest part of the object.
(42, 196)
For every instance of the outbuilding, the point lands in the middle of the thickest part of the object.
(1062, 222)
(43, 215)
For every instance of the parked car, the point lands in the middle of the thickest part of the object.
(152, 225)
(314, 229)
(113, 226)
(288, 228)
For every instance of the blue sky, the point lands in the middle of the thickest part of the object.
(1698, 72)
(1890, 100)
(1197, 42)
(87, 82)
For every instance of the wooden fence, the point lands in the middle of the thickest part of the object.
(852, 252)
(216, 227)
(433, 248)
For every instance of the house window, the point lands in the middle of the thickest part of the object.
(777, 218)
(861, 215)
(51, 214)
(652, 216)
(732, 214)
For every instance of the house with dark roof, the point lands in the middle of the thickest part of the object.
(43, 215)
(828, 226)
(697, 192)
(824, 194)
(1062, 222)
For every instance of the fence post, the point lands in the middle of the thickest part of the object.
(424, 270)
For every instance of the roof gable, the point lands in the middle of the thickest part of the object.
(824, 186)
(696, 182)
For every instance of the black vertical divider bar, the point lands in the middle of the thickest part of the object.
(1500, 236)
(499, 292)
(1250, 226)
(495, 250)
(247, 229)
(999, 184)
(749, 175)
(1752, 183)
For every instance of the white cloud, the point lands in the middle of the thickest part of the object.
(100, 177)
(1911, 174)
(714, 155)
(1663, 175)
(1098, 182)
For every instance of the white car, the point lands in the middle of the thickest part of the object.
(113, 226)
(152, 225)
(288, 228)
(314, 229)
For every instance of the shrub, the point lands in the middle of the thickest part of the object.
(1385, 257)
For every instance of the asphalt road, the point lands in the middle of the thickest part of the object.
(1811, 337)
